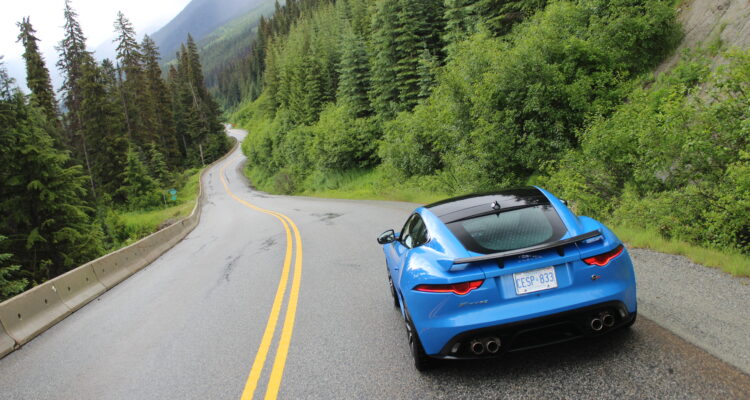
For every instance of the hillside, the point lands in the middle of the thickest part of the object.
(464, 96)
(724, 23)
(199, 18)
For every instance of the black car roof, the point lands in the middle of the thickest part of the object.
(467, 206)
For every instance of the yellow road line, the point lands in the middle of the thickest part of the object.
(274, 382)
(286, 333)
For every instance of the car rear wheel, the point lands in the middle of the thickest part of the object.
(631, 322)
(422, 362)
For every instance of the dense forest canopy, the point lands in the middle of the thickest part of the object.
(471, 95)
(125, 135)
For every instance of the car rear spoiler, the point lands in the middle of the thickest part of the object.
(511, 253)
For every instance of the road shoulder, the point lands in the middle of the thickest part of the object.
(704, 305)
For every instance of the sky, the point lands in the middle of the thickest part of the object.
(96, 18)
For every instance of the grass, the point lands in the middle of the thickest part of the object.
(731, 262)
(354, 185)
(367, 185)
(140, 224)
(373, 185)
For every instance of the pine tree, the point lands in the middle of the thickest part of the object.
(430, 25)
(160, 101)
(37, 75)
(9, 283)
(428, 64)
(202, 123)
(179, 114)
(407, 46)
(104, 126)
(385, 88)
(458, 20)
(139, 188)
(401, 30)
(354, 74)
(500, 15)
(140, 112)
(73, 56)
(41, 197)
(157, 165)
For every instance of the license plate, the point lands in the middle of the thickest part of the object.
(535, 280)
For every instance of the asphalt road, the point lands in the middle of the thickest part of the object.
(190, 325)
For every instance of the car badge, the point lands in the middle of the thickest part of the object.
(495, 205)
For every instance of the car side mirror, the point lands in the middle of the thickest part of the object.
(386, 237)
(564, 202)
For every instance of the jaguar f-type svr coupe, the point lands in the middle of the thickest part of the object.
(481, 275)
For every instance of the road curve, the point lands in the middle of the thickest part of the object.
(192, 324)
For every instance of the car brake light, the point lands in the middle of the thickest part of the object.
(457, 288)
(604, 258)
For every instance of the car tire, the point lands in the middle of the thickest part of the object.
(393, 291)
(422, 362)
(631, 322)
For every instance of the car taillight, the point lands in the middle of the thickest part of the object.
(604, 258)
(457, 288)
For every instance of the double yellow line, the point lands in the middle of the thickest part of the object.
(293, 248)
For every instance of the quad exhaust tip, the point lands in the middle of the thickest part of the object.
(476, 347)
(608, 320)
(492, 344)
(488, 344)
(596, 324)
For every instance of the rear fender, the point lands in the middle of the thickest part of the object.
(597, 245)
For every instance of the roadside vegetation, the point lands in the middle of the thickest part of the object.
(82, 178)
(126, 227)
(416, 101)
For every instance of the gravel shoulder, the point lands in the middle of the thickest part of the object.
(703, 305)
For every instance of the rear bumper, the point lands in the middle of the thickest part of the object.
(439, 318)
(537, 332)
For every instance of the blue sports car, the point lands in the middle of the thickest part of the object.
(480, 275)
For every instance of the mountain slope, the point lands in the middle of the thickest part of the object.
(199, 18)
(228, 45)
(711, 23)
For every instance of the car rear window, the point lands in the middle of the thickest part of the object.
(509, 230)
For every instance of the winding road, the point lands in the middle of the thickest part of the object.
(276, 296)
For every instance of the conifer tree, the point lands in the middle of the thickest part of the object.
(196, 114)
(354, 74)
(140, 113)
(458, 20)
(407, 48)
(44, 213)
(203, 116)
(157, 165)
(73, 56)
(160, 102)
(428, 64)
(104, 127)
(401, 30)
(500, 15)
(385, 88)
(37, 75)
(139, 188)
(9, 283)
(178, 112)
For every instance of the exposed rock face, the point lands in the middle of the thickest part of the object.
(705, 22)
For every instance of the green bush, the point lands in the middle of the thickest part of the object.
(673, 159)
(342, 142)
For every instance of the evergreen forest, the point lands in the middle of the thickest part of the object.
(121, 134)
(460, 96)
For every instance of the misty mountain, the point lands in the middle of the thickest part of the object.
(199, 18)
